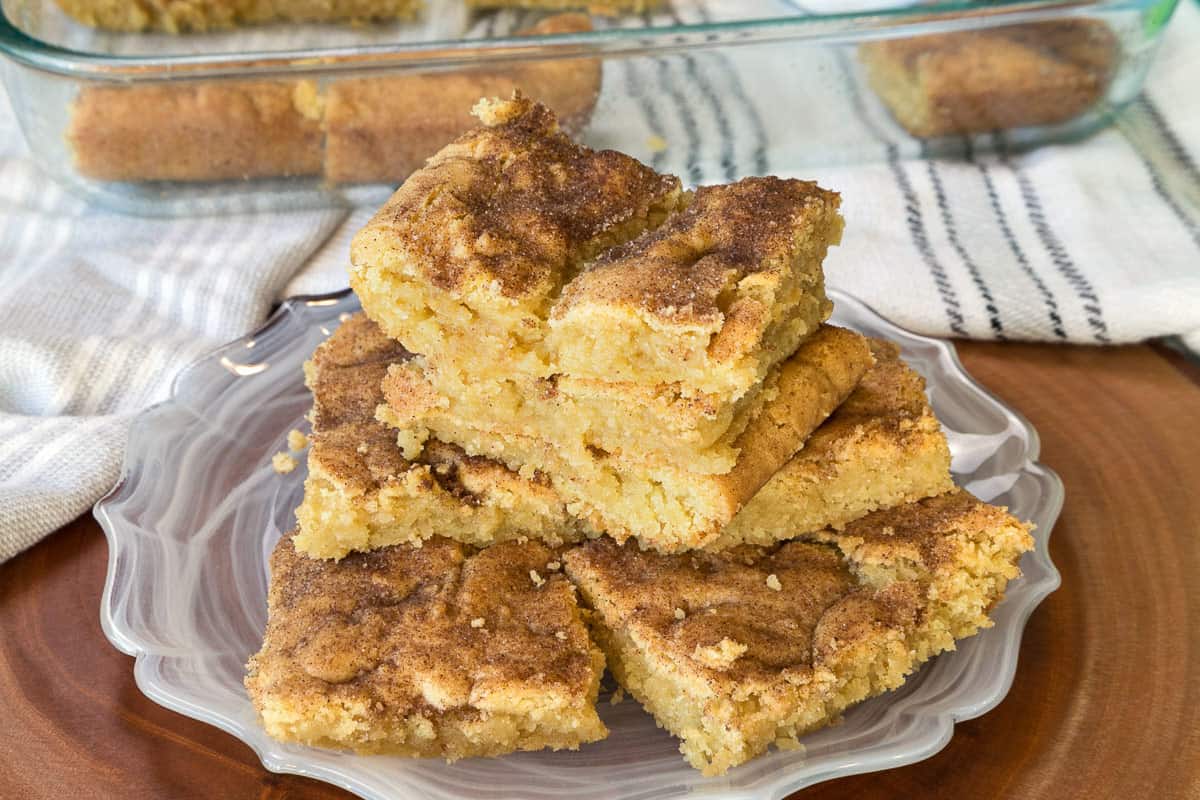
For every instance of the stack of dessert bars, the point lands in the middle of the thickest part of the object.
(588, 419)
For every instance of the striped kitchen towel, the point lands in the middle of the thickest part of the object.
(1096, 242)
(98, 313)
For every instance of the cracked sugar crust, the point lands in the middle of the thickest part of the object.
(735, 631)
(346, 376)
(730, 594)
(362, 492)
(732, 661)
(519, 251)
(713, 298)
(937, 536)
(690, 267)
(385, 652)
(512, 207)
(345, 372)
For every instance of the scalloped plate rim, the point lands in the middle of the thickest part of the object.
(943, 721)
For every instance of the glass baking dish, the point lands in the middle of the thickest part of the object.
(301, 115)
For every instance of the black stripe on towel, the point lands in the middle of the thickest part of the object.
(1092, 310)
(1048, 299)
(633, 87)
(989, 302)
(758, 128)
(724, 128)
(1160, 185)
(913, 217)
(917, 230)
(691, 130)
(1173, 143)
(1164, 194)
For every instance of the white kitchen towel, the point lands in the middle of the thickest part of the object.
(1095, 242)
(98, 312)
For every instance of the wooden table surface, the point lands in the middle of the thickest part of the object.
(1104, 703)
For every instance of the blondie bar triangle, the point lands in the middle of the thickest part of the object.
(743, 512)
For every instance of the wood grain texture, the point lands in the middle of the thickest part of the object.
(1103, 704)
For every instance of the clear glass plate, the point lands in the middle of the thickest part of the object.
(199, 508)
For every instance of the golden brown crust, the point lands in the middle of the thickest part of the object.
(511, 208)
(413, 607)
(354, 130)
(893, 386)
(363, 492)
(381, 129)
(888, 402)
(610, 8)
(518, 251)
(963, 550)
(345, 372)
(687, 271)
(713, 298)
(440, 633)
(926, 532)
(753, 646)
(725, 596)
(1086, 43)
(881, 447)
(182, 16)
(205, 131)
(812, 384)
(976, 81)
(345, 376)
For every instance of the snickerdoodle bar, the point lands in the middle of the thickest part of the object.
(433, 650)
(738, 650)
